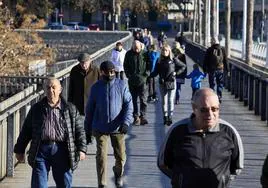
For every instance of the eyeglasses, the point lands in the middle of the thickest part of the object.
(206, 110)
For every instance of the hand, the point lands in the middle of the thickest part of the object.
(89, 138)
(20, 157)
(123, 129)
(228, 74)
(82, 155)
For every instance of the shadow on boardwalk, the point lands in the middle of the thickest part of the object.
(143, 143)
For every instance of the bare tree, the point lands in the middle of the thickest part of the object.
(228, 26)
(249, 41)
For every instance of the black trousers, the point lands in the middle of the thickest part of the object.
(139, 92)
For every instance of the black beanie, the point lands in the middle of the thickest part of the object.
(107, 66)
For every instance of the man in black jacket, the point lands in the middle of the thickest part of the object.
(215, 64)
(57, 137)
(203, 150)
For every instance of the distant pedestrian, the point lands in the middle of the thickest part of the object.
(162, 39)
(167, 68)
(151, 38)
(181, 39)
(197, 76)
(82, 77)
(117, 58)
(136, 69)
(108, 115)
(180, 78)
(202, 151)
(57, 138)
(153, 57)
(215, 64)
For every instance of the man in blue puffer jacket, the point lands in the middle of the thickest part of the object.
(109, 112)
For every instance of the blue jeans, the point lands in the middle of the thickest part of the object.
(214, 78)
(178, 90)
(55, 156)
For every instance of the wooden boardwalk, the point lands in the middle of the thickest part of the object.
(143, 143)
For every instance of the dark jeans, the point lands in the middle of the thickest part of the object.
(214, 78)
(136, 92)
(194, 90)
(55, 156)
(151, 86)
(120, 75)
(178, 90)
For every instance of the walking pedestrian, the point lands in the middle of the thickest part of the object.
(162, 39)
(108, 115)
(167, 68)
(178, 52)
(203, 150)
(82, 77)
(135, 66)
(215, 64)
(117, 58)
(197, 76)
(49, 127)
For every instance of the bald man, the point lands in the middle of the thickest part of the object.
(50, 126)
(203, 150)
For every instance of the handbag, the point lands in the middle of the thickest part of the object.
(169, 85)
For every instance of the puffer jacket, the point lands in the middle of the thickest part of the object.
(201, 159)
(32, 131)
(109, 106)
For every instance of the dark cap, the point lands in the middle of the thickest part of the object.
(119, 44)
(83, 57)
(107, 66)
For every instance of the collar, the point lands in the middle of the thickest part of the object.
(192, 128)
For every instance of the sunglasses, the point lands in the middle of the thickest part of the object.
(206, 110)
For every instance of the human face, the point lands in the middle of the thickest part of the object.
(85, 65)
(108, 75)
(206, 111)
(137, 46)
(165, 52)
(119, 47)
(53, 90)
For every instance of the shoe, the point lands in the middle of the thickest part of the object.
(165, 120)
(137, 121)
(149, 99)
(118, 180)
(155, 99)
(177, 102)
(169, 121)
(143, 121)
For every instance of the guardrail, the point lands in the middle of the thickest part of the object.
(248, 84)
(14, 109)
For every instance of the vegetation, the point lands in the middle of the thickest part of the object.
(17, 50)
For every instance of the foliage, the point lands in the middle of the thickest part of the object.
(17, 50)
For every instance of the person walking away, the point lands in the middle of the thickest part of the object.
(181, 39)
(202, 150)
(215, 64)
(180, 78)
(153, 58)
(49, 127)
(109, 93)
(117, 58)
(167, 68)
(162, 38)
(197, 76)
(82, 77)
(136, 68)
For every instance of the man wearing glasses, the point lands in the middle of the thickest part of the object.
(203, 150)
(109, 112)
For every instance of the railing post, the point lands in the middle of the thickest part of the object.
(240, 85)
(257, 97)
(245, 89)
(10, 145)
(263, 98)
(233, 80)
(3, 148)
(250, 92)
(237, 81)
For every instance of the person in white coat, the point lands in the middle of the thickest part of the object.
(117, 58)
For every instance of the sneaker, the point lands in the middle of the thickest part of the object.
(118, 180)
(165, 120)
(143, 121)
(169, 121)
(137, 121)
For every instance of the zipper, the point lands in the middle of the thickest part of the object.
(204, 149)
(109, 97)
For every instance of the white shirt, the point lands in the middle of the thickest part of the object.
(118, 59)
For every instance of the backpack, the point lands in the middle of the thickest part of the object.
(217, 58)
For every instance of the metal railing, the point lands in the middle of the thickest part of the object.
(14, 109)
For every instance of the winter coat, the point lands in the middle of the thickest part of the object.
(32, 131)
(117, 59)
(153, 58)
(197, 76)
(80, 84)
(109, 106)
(201, 159)
(135, 66)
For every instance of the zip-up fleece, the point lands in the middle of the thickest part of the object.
(201, 159)
(109, 106)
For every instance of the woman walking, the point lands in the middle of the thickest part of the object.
(167, 68)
